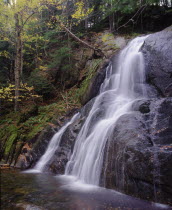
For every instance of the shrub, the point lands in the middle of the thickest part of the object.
(41, 84)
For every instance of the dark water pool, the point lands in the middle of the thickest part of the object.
(43, 191)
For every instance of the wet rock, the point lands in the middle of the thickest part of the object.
(157, 51)
(22, 206)
(138, 154)
(62, 155)
(161, 121)
(59, 160)
(142, 106)
(32, 151)
(97, 80)
(110, 45)
(86, 109)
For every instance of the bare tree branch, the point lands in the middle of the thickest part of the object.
(99, 51)
(131, 19)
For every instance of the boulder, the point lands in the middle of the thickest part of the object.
(157, 51)
(137, 160)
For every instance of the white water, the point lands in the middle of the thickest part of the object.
(52, 147)
(121, 87)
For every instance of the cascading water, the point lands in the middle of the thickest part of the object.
(52, 147)
(121, 87)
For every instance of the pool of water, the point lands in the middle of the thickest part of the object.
(44, 191)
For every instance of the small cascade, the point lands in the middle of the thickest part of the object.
(53, 146)
(122, 86)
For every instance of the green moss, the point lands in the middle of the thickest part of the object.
(169, 12)
(34, 125)
(7, 131)
(34, 131)
(2, 134)
(90, 73)
(13, 134)
(106, 37)
(10, 142)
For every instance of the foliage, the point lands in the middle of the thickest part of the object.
(7, 93)
(81, 12)
(17, 128)
(42, 86)
(10, 142)
(24, 116)
(10, 133)
(59, 56)
(6, 61)
(107, 36)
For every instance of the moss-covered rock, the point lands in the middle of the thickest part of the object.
(91, 69)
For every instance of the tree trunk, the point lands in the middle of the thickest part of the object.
(18, 62)
(86, 23)
(111, 22)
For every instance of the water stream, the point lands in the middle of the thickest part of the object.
(122, 86)
(42, 191)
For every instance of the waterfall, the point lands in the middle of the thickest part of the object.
(52, 147)
(122, 86)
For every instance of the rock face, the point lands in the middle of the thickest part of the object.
(59, 160)
(36, 147)
(93, 88)
(138, 155)
(157, 51)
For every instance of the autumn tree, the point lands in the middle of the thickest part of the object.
(15, 17)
